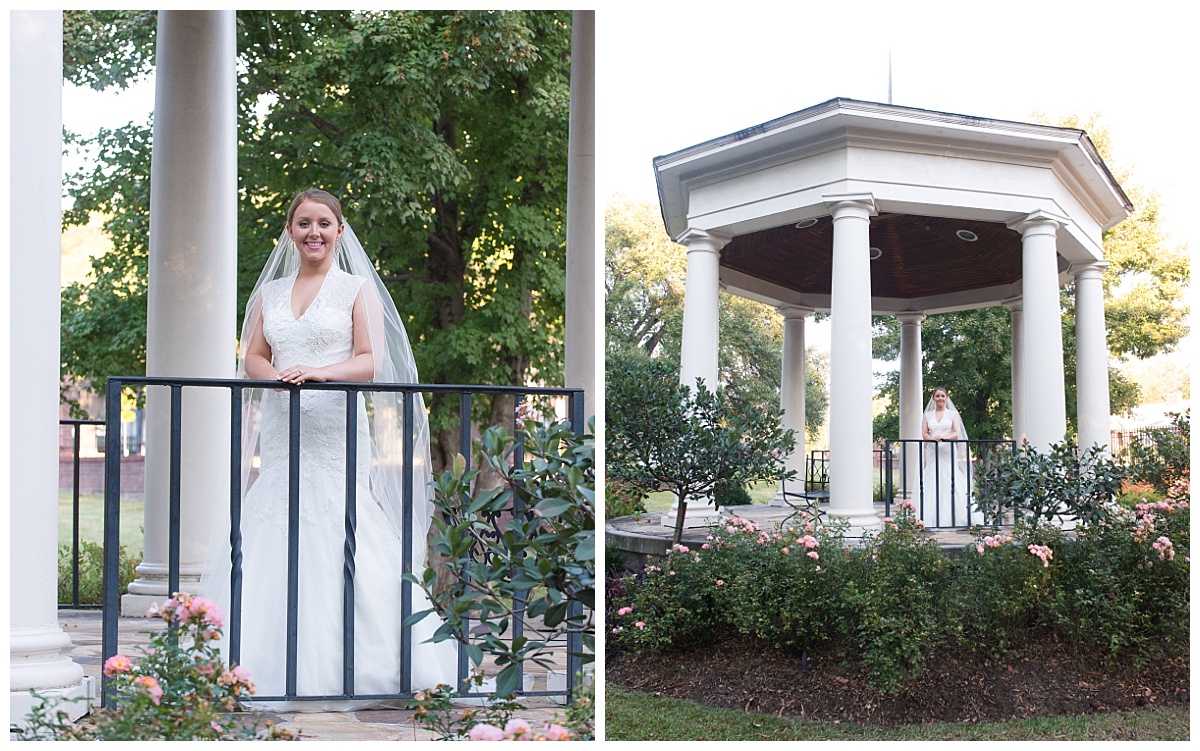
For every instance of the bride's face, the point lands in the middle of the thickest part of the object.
(939, 399)
(315, 230)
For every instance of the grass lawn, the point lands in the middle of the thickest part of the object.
(760, 492)
(91, 521)
(633, 716)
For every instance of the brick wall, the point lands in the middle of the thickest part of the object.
(91, 475)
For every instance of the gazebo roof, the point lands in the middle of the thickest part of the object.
(935, 179)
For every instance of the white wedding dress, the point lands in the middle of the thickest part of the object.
(321, 336)
(944, 493)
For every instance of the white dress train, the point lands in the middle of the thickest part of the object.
(321, 336)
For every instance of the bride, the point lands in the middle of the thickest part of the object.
(946, 465)
(321, 313)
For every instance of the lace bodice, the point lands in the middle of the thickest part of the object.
(942, 427)
(323, 335)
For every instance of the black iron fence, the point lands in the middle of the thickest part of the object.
(76, 430)
(1121, 441)
(939, 478)
(816, 468)
(235, 388)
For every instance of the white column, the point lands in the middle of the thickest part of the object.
(791, 392)
(1018, 371)
(1091, 356)
(698, 350)
(36, 641)
(851, 476)
(580, 340)
(1044, 389)
(912, 394)
(192, 294)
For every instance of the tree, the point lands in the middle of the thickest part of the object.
(661, 434)
(444, 133)
(1145, 312)
(644, 275)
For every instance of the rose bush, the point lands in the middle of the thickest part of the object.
(181, 688)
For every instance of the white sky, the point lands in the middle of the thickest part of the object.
(669, 78)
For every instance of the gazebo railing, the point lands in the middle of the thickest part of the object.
(931, 468)
(235, 387)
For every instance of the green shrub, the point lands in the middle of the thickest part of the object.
(779, 586)
(671, 606)
(1003, 589)
(1037, 487)
(622, 500)
(1123, 586)
(180, 689)
(1166, 460)
(730, 494)
(894, 600)
(543, 563)
(91, 573)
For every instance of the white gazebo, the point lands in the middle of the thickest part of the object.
(858, 208)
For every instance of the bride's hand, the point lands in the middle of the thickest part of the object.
(298, 374)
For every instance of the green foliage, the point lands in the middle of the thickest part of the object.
(525, 547)
(894, 600)
(1121, 588)
(499, 720)
(644, 274)
(663, 435)
(795, 617)
(443, 132)
(180, 690)
(1166, 460)
(669, 607)
(91, 573)
(1002, 591)
(620, 500)
(1037, 487)
(728, 494)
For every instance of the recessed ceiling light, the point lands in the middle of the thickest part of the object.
(806, 223)
(875, 253)
(968, 235)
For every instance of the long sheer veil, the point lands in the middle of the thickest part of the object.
(394, 363)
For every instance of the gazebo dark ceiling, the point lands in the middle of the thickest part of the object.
(921, 256)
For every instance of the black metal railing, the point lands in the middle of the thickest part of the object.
(936, 475)
(76, 426)
(109, 646)
(816, 469)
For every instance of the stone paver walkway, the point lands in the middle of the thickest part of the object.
(84, 628)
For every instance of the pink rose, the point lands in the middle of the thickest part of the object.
(117, 664)
(557, 733)
(814, 554)
(625, 611)
(150, 684)
(516, 728)
(485, 732)
(640, 624)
